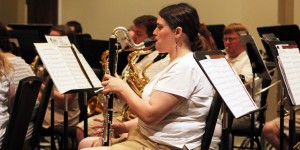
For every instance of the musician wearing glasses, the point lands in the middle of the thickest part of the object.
(174, 105)
(237, 57)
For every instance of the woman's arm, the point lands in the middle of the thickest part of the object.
(152, 112)
(60, 98)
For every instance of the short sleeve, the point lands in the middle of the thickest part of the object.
(179, 79)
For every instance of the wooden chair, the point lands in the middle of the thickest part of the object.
(25, 98)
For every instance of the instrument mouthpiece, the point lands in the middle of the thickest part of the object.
(149, 42)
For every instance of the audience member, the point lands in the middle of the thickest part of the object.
(162, 110)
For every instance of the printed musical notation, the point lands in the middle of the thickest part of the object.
(289, 63)
(65, 70)
(229, 86)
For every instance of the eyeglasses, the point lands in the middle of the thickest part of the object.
(229, 39)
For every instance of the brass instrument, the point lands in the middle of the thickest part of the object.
(133, 77)
(134, 80)
(94, 105)
(34, 64)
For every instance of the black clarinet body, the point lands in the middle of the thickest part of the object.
(108, 115)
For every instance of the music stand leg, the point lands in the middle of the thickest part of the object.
(227, 120)
(66, 123)
(281, 123)
(52, 124)
(292, 128)
(85, 122)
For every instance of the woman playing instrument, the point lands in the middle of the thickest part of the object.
(175, 104)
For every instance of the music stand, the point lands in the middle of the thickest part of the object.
(216, 31)
(258, 67)
(209, 130)
(215, 70)
(283, 32)
(292, 137)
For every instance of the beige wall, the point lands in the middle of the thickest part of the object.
(100, 17)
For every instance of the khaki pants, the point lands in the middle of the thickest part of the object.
(137, 141)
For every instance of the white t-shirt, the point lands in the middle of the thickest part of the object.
(185, 124)
(4, 115)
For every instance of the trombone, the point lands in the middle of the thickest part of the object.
(266, 88)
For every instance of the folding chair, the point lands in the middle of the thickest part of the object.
(25, 98)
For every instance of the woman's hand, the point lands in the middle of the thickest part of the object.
(113, 84)
(119, 128)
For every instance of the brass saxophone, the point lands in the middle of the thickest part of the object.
(134, 80)
(94, 104)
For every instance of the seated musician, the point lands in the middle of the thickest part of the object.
(21, 68)
(7, 93)
(237, 57)
(174, 105)
(271, 130)
(75, 26)
(143, 29)
(59, 102)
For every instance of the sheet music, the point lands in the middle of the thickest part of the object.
(229, 86)
(58, 40)
(64, 69)
(289, 62)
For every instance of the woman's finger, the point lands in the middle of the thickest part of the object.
(98, 119)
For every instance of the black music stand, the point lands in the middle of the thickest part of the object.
(283, 32)
(74, 64)
(216, 31)
(217, 103)
(292, 137)
(258, 67)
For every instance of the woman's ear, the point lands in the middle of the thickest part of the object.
(178, 32)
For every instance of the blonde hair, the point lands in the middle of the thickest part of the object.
(235, 27)
(6, 67)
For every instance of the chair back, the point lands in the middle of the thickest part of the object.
(40, 114)
(25, 98)
(211, 121)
